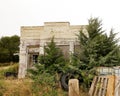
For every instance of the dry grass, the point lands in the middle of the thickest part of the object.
(11, 86)
(23, 87)
(17, 87)
(7, 67)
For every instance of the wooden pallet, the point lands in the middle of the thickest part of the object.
(101, 86)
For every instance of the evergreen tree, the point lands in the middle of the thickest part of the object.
(53, 58)
(96, 49)
(9, 46)
(51, 62)
(45, 73)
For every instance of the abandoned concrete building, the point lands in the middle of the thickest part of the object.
(34, 38)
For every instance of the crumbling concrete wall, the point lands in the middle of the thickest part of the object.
(34, 38)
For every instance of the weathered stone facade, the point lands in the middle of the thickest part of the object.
(34, 38)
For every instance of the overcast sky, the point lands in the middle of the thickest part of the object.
(17, 13)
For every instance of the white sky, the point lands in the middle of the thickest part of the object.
(17, 13)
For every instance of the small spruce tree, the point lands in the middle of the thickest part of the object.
(52, 61)
(53, 58)
(45, 73)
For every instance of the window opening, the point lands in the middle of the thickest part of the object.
(35, 59)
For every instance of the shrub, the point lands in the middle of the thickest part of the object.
(12, 68)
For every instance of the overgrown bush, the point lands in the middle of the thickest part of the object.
(45, 73)
(44, 82)
(13, 68)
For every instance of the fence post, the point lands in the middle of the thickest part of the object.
(74, 87)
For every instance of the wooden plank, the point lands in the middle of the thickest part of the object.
(91, 91)
(101, 87)
(117, 89)
(110, 87)
(117, 85)
(97, 87)
(105, 86)
(74, 87)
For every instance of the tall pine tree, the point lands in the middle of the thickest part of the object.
(96, 49)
